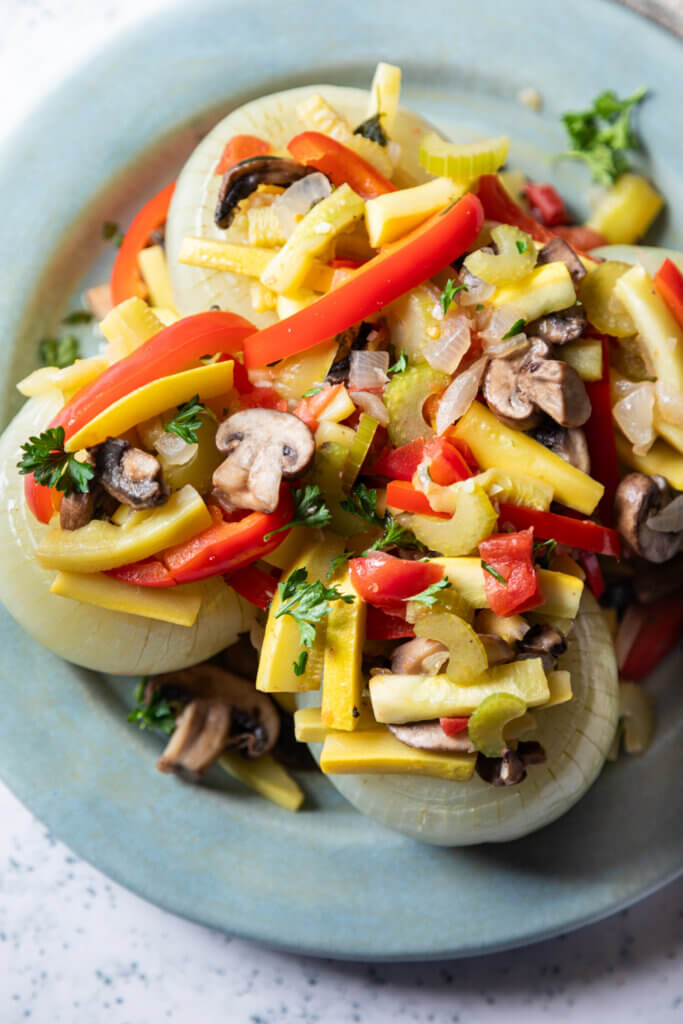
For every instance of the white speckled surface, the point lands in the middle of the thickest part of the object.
(75, 947)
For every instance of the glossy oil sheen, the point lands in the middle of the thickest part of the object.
(326, 881)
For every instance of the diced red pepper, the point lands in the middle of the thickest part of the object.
(599, 432)
(454, 725)
(311, 409)
(126, 282)
(388, 582)
(398, 268)
(657, 635)
(339, 163)
(399, 463)
(510, 555)
(241, 147)
(465, 451)
(382, 626)
(255, 585)
(547, 203)
(594, 578)
(446, 464)
(148, 573)
(403, 496)
(576, 533)
(669, 284)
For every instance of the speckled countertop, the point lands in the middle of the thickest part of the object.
(75, 947)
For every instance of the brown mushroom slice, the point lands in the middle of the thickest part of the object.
(503, 397)
(569, 443)
(561, 327)
(245, 177)
(498, 650)
(542, 641)
(76, 510)
(638, 498)
(130, 475)
(418, 657)
(262, 446)
(199, 739)
(510, 769)
(556, 388)
(430, 736)
(559, 251)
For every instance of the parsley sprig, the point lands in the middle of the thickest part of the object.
(543, 550)
(307, 603)
(59, 352)
(449, 293)
(401, 363)
(44, 456)
(372, 129)
(430, 595)
(155, 714)
(310, 509)
(362, 502)
(601, 135)
(186, 421)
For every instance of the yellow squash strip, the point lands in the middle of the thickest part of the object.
(560, 686)
(309, 728)
(499, 484)
(661, 460)
(179, 605)
(380, 752)
(545, 290)
(392, 215)
(473, 520)
(343, 667)
(659, 333)
(264, 227)
(127, 326)
(154, 269)
(290, 549)
(100, 545)
(282, 643)
(561, 592)
(466, 653)
(151, 400)
(266, 777)
(494, 444)
(585, 356)
(413, 698)
(67, 380)
(248, 260)
(384, 94)
(627, 209)
(166, 314)
(288, 305)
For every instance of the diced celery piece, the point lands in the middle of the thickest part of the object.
(489, 719)
(463, 163)
(466, 653)
(404, 397)
(516, 256)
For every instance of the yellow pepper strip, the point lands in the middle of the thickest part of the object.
(266, 777)
(309, 727)
(154, 269)
(179, 605)
(545, 290)
(626, 211)
(71, 378)
(282, 642)
(369, 753)
(466, 653)
(249, 260)
(289, 551)
(494, 444)
(151, 400)
(392, 215)
(659, 333)
(561, 592)
(343, 667)
(661, 460)
(100, 545)
(127, 326)
(560, 686)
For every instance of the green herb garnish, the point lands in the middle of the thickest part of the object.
(449, 293)
(79, 316)
(59, 352)
(599, 136)
(493, 572)
(157, 714)
(44, 456)
(362, 502)
(111, 233)
(310, 510)
(372, 129)
(401, 363)
(186, 421)
(479, 306)
(430, 595)
(521, 245)
(312, 391)
(515, 329)
(300, 663)
(543, 551)
(307, 603)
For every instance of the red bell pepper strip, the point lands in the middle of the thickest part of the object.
(126, 282)
(382, 626)
(398, 268)
(387, 582)
(599, 432)
(446, 464)
(339, 163)
(255, 585)
(547, 203)
(310, 409)
(240, 147)
(453, 726)
(168, 351)
(575, 533)
(594, 578)
(403, 496)
(399, 463)
(228, 544)
(465, 451)
(148, 573)
(669, 284)
(510, 555)
(657, 635)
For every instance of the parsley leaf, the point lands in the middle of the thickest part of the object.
(157, 714)
(372, 129)
(362, 501)
(307, 603)
(401, 363)
(59, 352)
(111, 233)
(600, 135)
(310, 509)
(186, 421)
(395, 536)
(515, 329)
(493, 572)
(449, 293)
(312, 391)
(44, 456)
(79, 316)
(521, 245)
(543, 551)
(430, 595)
(300, 663)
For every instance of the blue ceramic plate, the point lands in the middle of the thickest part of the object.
(326, 881)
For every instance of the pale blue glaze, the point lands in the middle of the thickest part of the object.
(326, 881)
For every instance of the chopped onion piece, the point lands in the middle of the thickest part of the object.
(446, 352)
(500, 323)
(475, 290)
(669, 403)
(634, 415)
(371, 404)
(517, 345)
(150, 431)
(368, 370)
(297, 200)
(459, 395)
(670, 519)
(174, 450)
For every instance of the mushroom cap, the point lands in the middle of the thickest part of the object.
(409, 658)
(560, 251)
(639, 497)
(130, 475)
(568, 442)
(561, 327)
(430, 736)
(267, 428)
(556, 388)
(244, 178)
(503, 396)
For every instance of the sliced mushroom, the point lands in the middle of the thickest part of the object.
(510, 769)
(76, 510)
(200, 737)
(556, 388)
(418, 656)
(498, 651)
(245, 177)
(503, 396)
(130, 475)
(559, 328)
(638, 498)
(262, 446)
(559, 251)
(545, 642)
(430, 736)
(569, 443)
